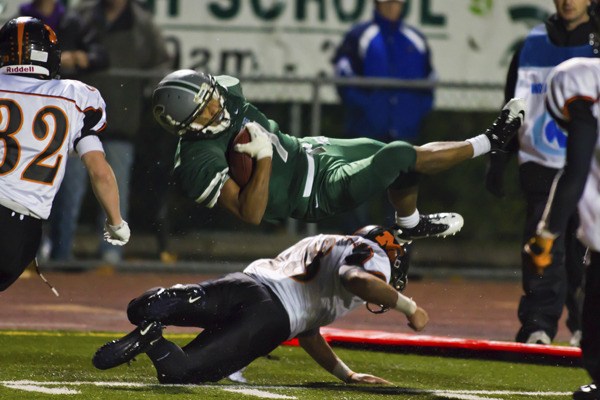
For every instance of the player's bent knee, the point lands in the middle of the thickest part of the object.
(160, 304)
(395, 157)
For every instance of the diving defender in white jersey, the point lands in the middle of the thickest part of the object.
(572, 100)
(247, 315)
(42, 119)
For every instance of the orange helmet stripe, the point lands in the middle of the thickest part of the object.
(51, 34)
(20, 34)
(387, 241)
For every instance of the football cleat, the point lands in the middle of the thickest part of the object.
(575, 340)
(430, 225)
(123, 350)
(238, 376)
(539, 337)
(587, 392)
(506, 126)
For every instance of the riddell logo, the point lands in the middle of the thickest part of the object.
(20, 69)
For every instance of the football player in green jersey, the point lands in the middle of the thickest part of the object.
(307, 178)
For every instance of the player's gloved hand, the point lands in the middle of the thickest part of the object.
(539, 248)
(117, 234)
(356, 377)
(260, 145)
(418, 320)
(494, 176)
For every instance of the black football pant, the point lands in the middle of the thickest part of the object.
(545, 296)
(242, 320)
(590, 340)
(20, 238)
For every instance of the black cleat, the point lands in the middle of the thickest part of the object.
(430, 225)
(123, 350)
(587, 392)
(506, 126)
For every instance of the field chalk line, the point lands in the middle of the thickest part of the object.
(261, 391)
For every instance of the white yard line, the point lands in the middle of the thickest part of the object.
(41, 389)
(461, 396)
(261, 391)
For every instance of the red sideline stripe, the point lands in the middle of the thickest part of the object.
(381, 338)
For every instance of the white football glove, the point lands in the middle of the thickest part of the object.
(260, 145)
(117, 235)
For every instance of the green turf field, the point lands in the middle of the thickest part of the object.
(57, 365)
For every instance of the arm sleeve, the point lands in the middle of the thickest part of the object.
(581, 141)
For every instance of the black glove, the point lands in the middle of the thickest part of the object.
(494, 176)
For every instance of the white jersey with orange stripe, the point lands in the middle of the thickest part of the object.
(579, 78)
(41, 121)
(306, 277)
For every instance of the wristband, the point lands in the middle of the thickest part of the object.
(341, 371)
(481, 145)
(405, 305)
(545, 233)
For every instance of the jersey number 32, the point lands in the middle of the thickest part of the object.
(11, 123)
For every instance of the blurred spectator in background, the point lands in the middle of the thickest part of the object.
(81, 53)
(133, 42)
(572, 99)
(541, 153)
(384, 47)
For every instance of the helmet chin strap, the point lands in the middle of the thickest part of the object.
(381, 310)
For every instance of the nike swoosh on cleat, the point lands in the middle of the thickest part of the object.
(194, 299)
(145, 330)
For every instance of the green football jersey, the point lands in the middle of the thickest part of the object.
(201, 165)
(311, 178)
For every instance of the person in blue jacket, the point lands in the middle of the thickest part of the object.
(384, 47)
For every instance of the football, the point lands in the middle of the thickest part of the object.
(240, 164)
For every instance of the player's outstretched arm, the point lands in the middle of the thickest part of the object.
(320, 351)
(106, 191)
(374, 290)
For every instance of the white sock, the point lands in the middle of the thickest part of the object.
(408, 222)
(481, 145)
